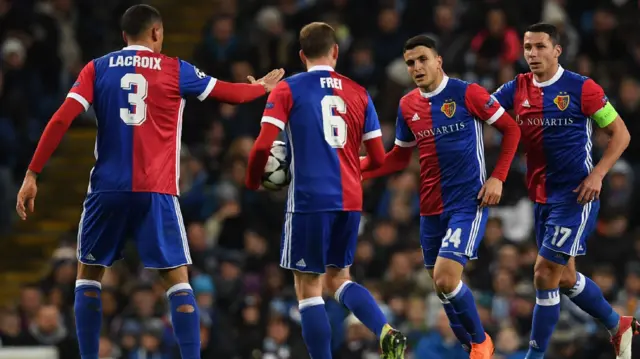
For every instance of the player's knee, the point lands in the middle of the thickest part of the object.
(308, 285)
(546, 277)
(446, 282)
(569, 278)
(333, 281)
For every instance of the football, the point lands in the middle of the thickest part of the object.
(276, 172)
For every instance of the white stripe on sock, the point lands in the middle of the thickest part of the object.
(88, 283)
(340, 290)
(310, 302)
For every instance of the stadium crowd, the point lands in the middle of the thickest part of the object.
(248, 306)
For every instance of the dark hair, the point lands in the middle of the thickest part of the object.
(548, 29)
(138, 19)
(316, 39)
(420, 40)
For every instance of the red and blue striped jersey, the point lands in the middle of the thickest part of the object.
(325, 116)
(138, 98)
(446, 126)
(555, 119)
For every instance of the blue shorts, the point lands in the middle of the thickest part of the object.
(562, 229)
(152, 220)
(453, 234)
(312, 241)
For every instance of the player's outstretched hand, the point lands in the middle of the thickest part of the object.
(27, 195)
(589, 189)
(270, 80)
(491, 192)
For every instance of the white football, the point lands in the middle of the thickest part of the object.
(276, 172)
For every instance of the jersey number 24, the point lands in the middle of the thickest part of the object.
(335, 129)
(136, 98)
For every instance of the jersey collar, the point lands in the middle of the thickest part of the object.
(550, 81)
(321, 68)
(137, 48)
(441, 87)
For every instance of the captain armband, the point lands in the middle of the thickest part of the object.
(605, 115)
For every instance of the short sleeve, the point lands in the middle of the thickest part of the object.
(505, 94)
(82, 89)
(371, 121)
(596, 105)
(279, 103)
(404, 136)
(482, 105)
(194, 82)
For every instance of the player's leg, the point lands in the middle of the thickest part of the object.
(162, 244)
(432, 230)
(100, 240)
(460, 243)
(588, 296)
(303, 250)
(352, 295)
(556, 232)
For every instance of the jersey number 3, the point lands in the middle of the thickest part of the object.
(135, 98)
(335, 129)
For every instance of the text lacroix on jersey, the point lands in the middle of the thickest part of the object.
(138, 98)
(326, 116)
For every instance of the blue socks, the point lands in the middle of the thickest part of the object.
(454, 322)
(462, 301)
(545, 316)
(316, 330)
(361, 303)
(88, 308)
(185, 319)
(588, 296)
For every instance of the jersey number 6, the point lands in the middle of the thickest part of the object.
(135, 98)
(335, 129)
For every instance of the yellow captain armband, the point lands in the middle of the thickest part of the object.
(605, 115)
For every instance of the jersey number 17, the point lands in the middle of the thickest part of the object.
(335, 128)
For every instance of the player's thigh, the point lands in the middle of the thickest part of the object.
(102, 230)
(161, 238)
(540, 214)
(432, 230)
(343, 239)
(305, 239)
(566, 230)
(465, 229)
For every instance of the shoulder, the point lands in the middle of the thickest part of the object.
(575, 77)
(457, 84)
(346, 81)
(410, 96)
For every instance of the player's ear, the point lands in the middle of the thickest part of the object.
(155, 36)
(557, 50)
(302, 57)
(335, 51)
(124, 37)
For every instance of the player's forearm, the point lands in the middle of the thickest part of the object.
(618, 142)
(236, 93)
(375, 154)
(53, 133)
(396, 160)
(260, 155)
(510, 139)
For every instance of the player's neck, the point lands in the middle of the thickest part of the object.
(435, 84)
(319, 62)
(548, 75)
(146, 44)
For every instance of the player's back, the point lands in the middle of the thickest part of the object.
(137, 96)
(327, 121)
